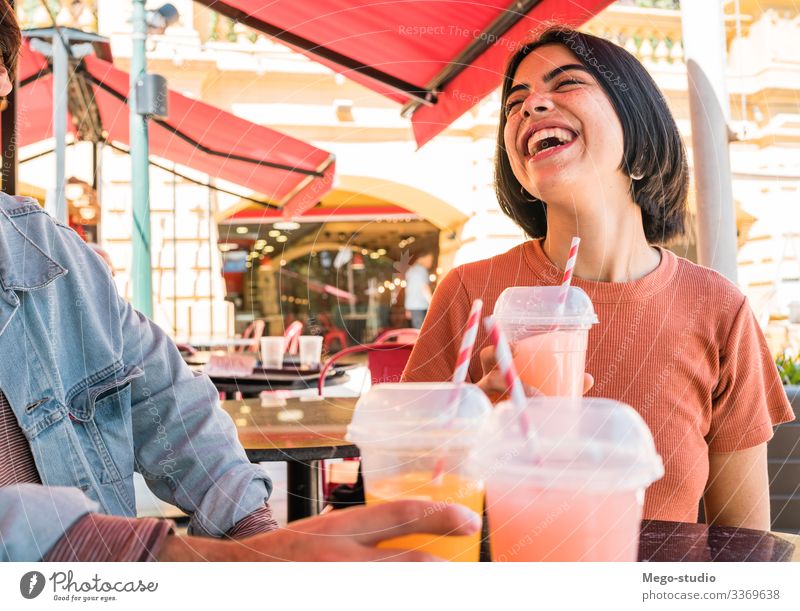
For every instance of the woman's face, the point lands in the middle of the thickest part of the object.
(562, 135)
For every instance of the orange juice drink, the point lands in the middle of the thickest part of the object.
(548, 330)
(565, 479)
(441, 492)
(529, 524)
(418, 441)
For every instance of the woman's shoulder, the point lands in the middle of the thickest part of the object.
(706, 283)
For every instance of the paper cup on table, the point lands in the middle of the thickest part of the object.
(576, 494)
(404, 433)
(548, 334)
(310, 351)
(272, 349)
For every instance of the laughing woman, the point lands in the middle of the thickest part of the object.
(588, 147)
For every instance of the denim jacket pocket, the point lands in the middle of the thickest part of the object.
(101, 416)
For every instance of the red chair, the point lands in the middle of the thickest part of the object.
(406, 335)
(385, 359)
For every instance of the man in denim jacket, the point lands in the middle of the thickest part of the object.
(93, 391)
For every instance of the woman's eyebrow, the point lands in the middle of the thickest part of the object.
(554, 73)
(549, 76)
(516, 88)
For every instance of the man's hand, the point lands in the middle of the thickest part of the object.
(494, 385)
(349, 535)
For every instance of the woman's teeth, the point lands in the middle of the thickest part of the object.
(544, 139)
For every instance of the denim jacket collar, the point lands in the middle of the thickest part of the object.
(24, 266)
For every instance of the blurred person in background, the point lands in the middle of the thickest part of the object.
(418, 293)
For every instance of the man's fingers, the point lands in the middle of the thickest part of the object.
(373, 524)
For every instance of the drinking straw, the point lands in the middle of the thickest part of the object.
(468, 343)
(566, 280)
(460, 376)
(505, 362)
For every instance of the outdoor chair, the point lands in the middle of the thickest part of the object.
(385, 359)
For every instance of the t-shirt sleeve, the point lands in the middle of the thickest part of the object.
(434, 355)
(749, 399)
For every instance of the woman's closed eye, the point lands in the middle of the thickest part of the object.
(510, 106)
(568, 82)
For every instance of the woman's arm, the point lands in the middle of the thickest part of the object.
(737, 492)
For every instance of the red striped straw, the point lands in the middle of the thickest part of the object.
(460, 376)
(468, 343)
(505, 362)
(566, 280)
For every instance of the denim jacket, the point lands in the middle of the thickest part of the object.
(100, 391)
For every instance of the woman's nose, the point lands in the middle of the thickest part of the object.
(536, 103)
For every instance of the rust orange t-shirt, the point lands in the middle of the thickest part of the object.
(680, 345)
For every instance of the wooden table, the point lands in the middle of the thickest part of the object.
(300, 432)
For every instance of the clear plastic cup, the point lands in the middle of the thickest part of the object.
(310, 351)
(574, 489)
(417, 442)
(272, 350)
(548, 340)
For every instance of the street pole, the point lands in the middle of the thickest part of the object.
(57, 207)
(140, 172)
(704, 50)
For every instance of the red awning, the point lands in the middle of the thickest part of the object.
(437, 57)
(288, 172)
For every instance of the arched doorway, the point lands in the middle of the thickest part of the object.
(338, 266)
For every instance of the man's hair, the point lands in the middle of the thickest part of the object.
(652, 143)
(10, 38)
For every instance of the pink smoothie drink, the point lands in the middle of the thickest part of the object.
(569, 485)
(536, 524)
(548, 333)
(553, 362)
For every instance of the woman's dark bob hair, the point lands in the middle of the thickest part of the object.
(652, 144)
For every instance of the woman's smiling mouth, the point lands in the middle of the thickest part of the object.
(542, 141)
(546, 143)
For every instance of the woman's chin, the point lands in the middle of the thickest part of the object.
(558, 187)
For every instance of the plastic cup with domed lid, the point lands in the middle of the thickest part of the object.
(575, 492)
(548, 334)
(417, 441)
